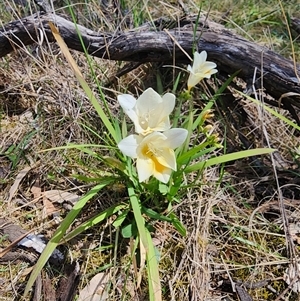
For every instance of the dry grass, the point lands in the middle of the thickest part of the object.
(234, 222)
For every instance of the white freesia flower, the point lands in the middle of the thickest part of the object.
(150, 112)
(154, 153)
(200, 69)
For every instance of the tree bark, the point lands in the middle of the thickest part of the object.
(159, 42)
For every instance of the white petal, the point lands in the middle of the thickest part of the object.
(128, 102)
(209, 65)
(155, 137)
(169, 101)
(194, 79)
(164, 177)
(147, 102)
(145, 169)
(168, 159)
(138, 128)
(209, 73)
(199, 58)
(175, 137)
(162, 125)
(147, 108)
(159, 119)
(129, 145)
(168, 104)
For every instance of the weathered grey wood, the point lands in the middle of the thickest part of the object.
(230, 51)
(295, 24)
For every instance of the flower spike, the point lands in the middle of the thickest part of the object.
(200, 69)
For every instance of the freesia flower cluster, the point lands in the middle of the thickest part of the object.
(154, 142)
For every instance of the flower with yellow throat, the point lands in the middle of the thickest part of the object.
(154, 153)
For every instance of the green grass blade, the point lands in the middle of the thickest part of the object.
(155, 215)
(228, 157)
(176, 83)
(77, 146)
(177, 224)
(153, 272)
(194, 153)
(270, 110)
(93, 221)
(140, 222)
(97, 107)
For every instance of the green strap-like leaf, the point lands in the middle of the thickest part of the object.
(228, 157)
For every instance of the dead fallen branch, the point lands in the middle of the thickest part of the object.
(295, 24)
(161, 43)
